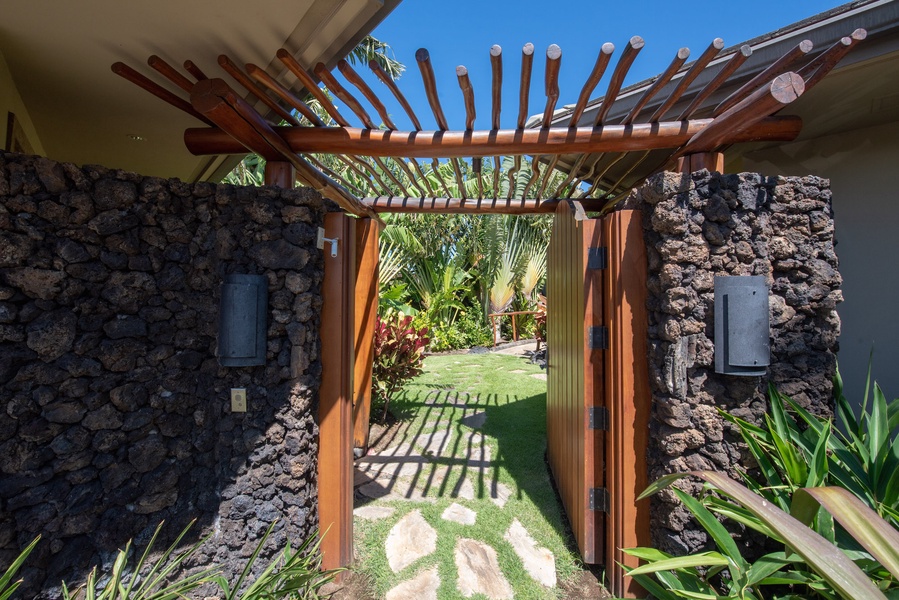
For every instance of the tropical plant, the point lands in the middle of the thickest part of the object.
(856, 463)
(7, 585)
(809, 562)
(399, 354)
(290, 575)
(146, 580)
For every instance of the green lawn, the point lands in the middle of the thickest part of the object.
(452, 388)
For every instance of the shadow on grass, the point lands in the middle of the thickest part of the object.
(441, 450)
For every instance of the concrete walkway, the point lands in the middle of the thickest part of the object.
(446, 459)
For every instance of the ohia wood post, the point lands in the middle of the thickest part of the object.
(366, 312)
(335, 452)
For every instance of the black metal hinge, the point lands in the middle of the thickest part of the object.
(598, 337)
(598, 499)
(598, 258)
(599, 418)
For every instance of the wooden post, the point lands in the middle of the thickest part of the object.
(713, 161)
(366, 313)
(280, 173)
(627, 395)
(335, 413)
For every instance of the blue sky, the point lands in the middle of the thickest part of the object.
(462, 32)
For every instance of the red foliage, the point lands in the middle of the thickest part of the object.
(399, 355)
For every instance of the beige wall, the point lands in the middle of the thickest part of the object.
(11, 102)
(863, 167)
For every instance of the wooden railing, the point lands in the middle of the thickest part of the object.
(513, 314)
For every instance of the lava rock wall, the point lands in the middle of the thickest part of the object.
(114, 411)
(706, 224)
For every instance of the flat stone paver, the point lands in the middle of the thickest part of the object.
(373, 513)
(479, 571)
(435, 441)
(459, 514)
(421, 587)
(410, 539)
(538, 561)
(541, 376)
(518, 371)
(499, 493)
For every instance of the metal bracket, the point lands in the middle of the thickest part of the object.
(599, 418)
(598, 337)
(598, 500)
(598, 258)
(321, 239)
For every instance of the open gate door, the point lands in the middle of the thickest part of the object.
(598, 397)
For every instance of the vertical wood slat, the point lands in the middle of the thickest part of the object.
(335, 413)
(366, 312)
(593, 367)
(627, 395)
(565, 379)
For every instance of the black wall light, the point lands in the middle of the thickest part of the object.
(742, 325)
(242, 321)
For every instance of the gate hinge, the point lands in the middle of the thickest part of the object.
(598, 337)
(598, 258)
(599, 418)
(598, 500)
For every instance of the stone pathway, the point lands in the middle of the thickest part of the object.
(445, 462)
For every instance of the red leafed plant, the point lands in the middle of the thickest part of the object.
(399, 354)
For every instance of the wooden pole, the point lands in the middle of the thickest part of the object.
(599, 68)
(527, 62)
(685, 81)
(508, 142)
(551, 82)
(739, 57)
(366, 312)
(505, 206)
(634, 45)
(335, 413)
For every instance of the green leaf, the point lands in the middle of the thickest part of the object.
(703, 559)
(827, 560)
(818, 465)
(766, 566)
(7, 585)
(874, 534)
(878, 434)
(716, 530)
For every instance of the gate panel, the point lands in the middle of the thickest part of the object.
(574, 375)
(596, 346)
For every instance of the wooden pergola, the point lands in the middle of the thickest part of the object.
(599, 161)
(389, 159)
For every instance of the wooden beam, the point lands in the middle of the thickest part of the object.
(688, 78)
(551, 82)
(243, 79)
(504, 206)
(335, 412)
(423, 58)
(776, 68)
(126, 72)
(634, 45)
(217, 101)
(467, 96)
(781, 91)
(599, 69)
(509, 142)
(627, 396)
(679, 59)
(738, 58)
(366, 312)
(524, 89)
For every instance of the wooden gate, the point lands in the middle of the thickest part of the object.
(598, 397)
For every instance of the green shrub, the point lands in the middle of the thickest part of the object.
(802, 463)
(399, 353)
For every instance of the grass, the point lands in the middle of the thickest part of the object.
(457, 386)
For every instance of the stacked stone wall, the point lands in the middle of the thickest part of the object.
(699, 226)
(115, 411)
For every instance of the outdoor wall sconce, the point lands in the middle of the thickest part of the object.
(242, 321)
(742, 325)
